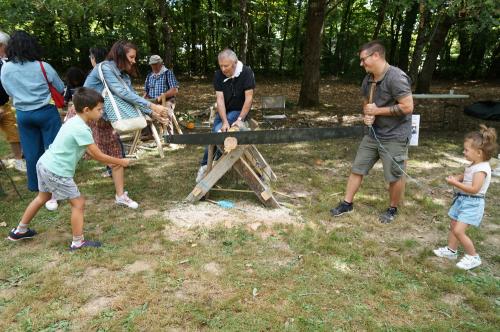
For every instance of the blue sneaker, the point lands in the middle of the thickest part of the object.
(13, 236)
(388, 216)
(92, 244)
(342, 208)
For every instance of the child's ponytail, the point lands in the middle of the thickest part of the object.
(489, 141)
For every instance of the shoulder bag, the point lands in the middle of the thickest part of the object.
(124, 116)
(56, 95)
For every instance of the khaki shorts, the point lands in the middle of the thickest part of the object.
(393, 156)
(61, 187)
(8, 124)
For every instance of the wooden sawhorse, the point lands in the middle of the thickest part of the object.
(248, 162)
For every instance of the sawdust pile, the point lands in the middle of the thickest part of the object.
(204, 214)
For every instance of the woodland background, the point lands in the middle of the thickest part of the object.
(297, 39)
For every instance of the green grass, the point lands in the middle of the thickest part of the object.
(317, 274)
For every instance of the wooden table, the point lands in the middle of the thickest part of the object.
(447, 105)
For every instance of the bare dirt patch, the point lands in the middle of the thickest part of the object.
(8, 293)
(96, 272)
(137, 267)
(492, 230)
(174, 233)
(452, 299)
(150, 213)
(94, 280)
(213, 268)
(196, 290)
(97, 305)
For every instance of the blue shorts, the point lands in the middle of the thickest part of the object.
(467, 209)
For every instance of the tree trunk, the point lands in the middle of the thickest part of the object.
(380, 18)
(194, 54)
(167, 34)
(338, 55)
(396, 22)
(285, 32)
(211, 39)
(230, 24)
(404, 49)
(422, 38)
(479, 46)
(465, 47)
(244, 31)
(296, 46)
(435, 45)
(494, 68)
(309, 89)
(154, 46)
(268, 44)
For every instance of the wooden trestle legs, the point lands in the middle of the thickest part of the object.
(248, 162)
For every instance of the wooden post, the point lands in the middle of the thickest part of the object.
(157, 140)
(135, 142)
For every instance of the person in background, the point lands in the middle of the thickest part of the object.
(75, 77)
(7, 116)
(37, 118)
(97, 55)
(234, 84)
(118, 67)
(160, 82)
(56, 168)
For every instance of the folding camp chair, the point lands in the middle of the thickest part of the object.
(273, 110)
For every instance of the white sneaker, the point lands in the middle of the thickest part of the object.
(125, 200)
(201, 173)
(469, 262)
(445, 252)
(20, 165)
(51, 204)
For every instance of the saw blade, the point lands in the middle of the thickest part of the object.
(278, 136)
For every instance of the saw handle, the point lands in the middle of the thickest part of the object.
(370, 100)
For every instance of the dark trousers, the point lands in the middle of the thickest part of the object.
(37, 130)
(232, 116)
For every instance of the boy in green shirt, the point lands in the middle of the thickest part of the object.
(56, 168)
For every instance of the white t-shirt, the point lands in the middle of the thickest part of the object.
(479, 167)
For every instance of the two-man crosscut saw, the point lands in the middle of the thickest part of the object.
(267, 136)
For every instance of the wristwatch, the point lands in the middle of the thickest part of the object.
(240, 118)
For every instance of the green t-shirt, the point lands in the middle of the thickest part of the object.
(68, 147)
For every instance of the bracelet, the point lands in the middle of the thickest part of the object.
(240, 118)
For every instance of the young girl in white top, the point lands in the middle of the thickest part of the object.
(468, 204)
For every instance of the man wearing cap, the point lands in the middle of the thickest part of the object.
(160, 81)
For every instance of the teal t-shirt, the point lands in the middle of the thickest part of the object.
(68, 147)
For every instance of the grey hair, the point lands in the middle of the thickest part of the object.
(228, 54)
(4, 38)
